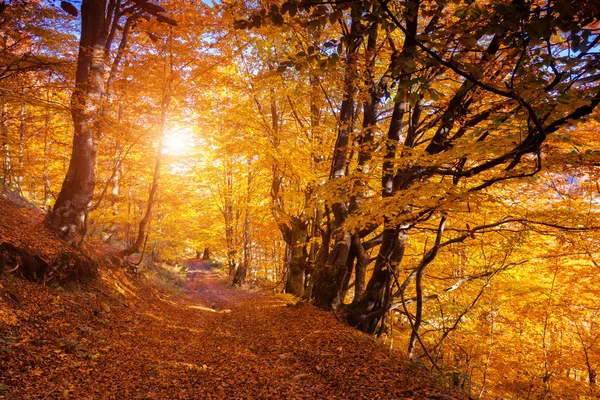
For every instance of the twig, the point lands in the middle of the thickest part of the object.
(112, 298)
(308, 335)
(52, 391)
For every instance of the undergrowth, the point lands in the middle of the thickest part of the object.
(213, 264)
(289, 299)
(169, 277)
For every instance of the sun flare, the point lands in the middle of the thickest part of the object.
(179, 141)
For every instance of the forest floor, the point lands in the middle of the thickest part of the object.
(122, 337)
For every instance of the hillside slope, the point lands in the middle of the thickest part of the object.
(122, 337)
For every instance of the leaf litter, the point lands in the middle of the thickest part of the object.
(122, 337)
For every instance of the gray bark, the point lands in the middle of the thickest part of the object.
(77, 189)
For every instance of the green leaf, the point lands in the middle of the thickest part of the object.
(433, 94)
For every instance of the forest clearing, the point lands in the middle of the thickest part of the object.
(400, 199)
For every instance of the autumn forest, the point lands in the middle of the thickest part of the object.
(424, 171)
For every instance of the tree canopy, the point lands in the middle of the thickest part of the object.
(425, 169)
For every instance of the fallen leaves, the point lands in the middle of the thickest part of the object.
(167, 349)
(215, 342)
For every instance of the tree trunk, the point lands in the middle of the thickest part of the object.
(230, 231)
(5, 144)
(330, 275)
(368, 312)
(242, 270)
(365, 144)
(46, 194)
(114, 200)
(77, 190)
(22, 132)
(360, 269)
(296, 238)
(309, 272)
(350, 270)
(145, 221)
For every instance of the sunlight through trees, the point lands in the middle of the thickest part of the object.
(428, 170)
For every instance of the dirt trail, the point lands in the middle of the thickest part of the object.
(214, 342)
(205, 285)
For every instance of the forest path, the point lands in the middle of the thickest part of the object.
(205, 285)
(212, 342)
(219, 342)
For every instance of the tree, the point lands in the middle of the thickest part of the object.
(474, 99)
(428, 169)
(99, 22)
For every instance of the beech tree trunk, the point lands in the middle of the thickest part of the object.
(294, 228)
(296, 237)
(6, 173)
(330, 275)
(145, 221)
(349, 270)
(231, 220)
(242, 270)
(369, 311)
(46, 151)
(114, 227)
(77, 189)
(22, 132)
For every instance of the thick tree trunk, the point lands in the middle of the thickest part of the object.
(365, 144)
(294, 228)
(296, 237)
(309, 272)
(77, 190)
(349, 270)
(330, 275)
(368, 312)
(360, 269)
(239, 277)
(317, 214)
